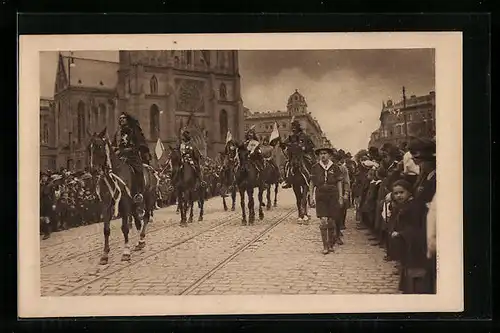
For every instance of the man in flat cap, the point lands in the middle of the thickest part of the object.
(326, 178)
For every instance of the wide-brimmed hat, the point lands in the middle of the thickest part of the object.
(327, 149)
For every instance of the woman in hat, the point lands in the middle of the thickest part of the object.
(326, 178)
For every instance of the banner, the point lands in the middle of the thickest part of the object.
(159, 149)
(275, 134)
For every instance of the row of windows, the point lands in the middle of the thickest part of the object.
(154, 125)
(153, 88)
(268, 126)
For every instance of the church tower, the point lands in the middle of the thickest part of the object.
(296, 104)
(162, 88)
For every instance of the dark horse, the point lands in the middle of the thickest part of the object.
(187, 187)
(270, 176)
(113, 184)
(247, 179)
(300, 170)
(228, 177)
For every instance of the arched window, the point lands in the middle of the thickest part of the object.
(188, 57)
(223, 91)
(46, 133)
(103, 114)
(95, 118)
(80, 121)
(223, 123)
(153, 85)
(154, 122)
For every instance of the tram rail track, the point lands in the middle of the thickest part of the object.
(120, 241)
(100, 232)
(232, 256)
(232, 218)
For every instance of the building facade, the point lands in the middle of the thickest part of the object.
(48, 153)
(407, 119)
(296, 108)
(160, 88)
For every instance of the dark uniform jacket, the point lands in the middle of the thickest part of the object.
(327, 194)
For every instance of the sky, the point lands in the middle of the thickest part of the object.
(344, 89)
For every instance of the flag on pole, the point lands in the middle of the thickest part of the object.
(275, 134)
(229, 136)
(159, 149)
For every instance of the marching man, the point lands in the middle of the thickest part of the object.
(327, 178)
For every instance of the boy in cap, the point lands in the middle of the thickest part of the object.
(326, 178)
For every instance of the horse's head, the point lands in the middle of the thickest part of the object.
(99, 150)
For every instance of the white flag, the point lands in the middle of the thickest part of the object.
(229, 136)
(275, 134)
(159, 149)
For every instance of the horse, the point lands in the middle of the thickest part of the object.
(187, 186)
(300, 175)
(270, 176)
(227, 177)
(113, 183)
(247, 178)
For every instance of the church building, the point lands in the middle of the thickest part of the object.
(160, 88)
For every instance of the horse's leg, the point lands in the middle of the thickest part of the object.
(268, 197)
(126, 209)
(233, 198)
(251, 205)
(243, 211)
(149, 204)
(298, 199)
(224, 203)
(305, 197)
(260, 196)
(276, 186)
(107, 231)
(191, 205)
(202, 204)
(181, 203)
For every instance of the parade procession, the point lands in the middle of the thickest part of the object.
(153, 202)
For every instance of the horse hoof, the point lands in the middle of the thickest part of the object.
(183, 224)
(125, 257)
(268, 207)
(140, 246)
(103, 261)
(261, 216)
(232, 209)
(225, 209)
(190, 220)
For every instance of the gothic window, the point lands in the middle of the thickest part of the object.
(103, 114)
(223, 91)
(223, 124)
(176, 61)
(154, 122)
(95, 120)
(188, 57)
(206, 56)
(153, 85)
(80, 121)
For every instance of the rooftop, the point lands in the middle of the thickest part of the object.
(91, 73)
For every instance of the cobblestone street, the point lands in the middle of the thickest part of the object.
(217, 256)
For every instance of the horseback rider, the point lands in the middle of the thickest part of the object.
(189, 154)
(269, 153)
(297, 137)
(252, 144)
(130, 146)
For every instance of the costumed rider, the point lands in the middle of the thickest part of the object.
(297, 137)
(269, 153)
(252, 144)
(191, 155)
(130, 146)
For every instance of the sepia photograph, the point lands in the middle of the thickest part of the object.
(240, 171)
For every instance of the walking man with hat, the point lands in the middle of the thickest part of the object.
(326, 178)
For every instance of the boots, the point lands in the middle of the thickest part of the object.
(331, 239)
(324, 238)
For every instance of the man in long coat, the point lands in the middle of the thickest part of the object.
(130, 145)
(326, 178)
